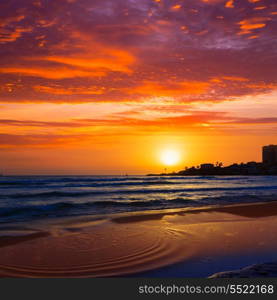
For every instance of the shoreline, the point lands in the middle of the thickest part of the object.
(188, 242)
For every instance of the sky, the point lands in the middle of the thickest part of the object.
(105, 86)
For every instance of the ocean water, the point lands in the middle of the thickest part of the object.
(28, 198)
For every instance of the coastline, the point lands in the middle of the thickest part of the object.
(172, 243)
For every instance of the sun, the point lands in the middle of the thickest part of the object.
(170, 157)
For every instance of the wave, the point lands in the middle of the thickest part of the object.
(98, 207)
(71, 194)
(29, 212)
(99, 183)
(44, 182)
(21, 183)
(42, 210)
(47, 210)
(27, 198)
(127, 183)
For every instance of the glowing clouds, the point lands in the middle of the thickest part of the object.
(11, 29)
(59, 72)
(176, 7)
(133, 51)
(106, 59)
(230, 4)
(70, 91)
(81, 64)
(248, 25)
(171, 89)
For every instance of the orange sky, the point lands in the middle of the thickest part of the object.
(103, 87)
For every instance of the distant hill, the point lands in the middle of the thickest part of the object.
(250, 168)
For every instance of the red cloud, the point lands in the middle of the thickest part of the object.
(122, 51)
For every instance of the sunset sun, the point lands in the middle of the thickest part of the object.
(170, 157)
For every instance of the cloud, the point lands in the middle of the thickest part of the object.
(125, 51)
(263, 86)
(189, 119)
(232, 78)
(247, 26)
(164, 116)
(230, 4)
(12, 140)
(176, 7)
(212, 1)
(7, 36)
(117, 61)
(11, 28)
(123, 124)
(50, 72)
(72, 66)
(171, 89)
(32, 123)
(252, 121)
(70, 91)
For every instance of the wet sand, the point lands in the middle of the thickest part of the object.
(171, 243)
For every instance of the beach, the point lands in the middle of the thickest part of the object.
(191, 242)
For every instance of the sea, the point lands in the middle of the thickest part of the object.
(24, 199)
